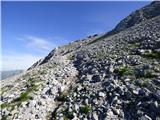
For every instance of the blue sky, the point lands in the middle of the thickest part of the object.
(30, 30)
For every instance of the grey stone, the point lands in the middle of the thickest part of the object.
(116, 111)
(95, 116)
(95, 101)
(96, 78)
(145, 117)
(128, 94)
(135, 92)
(101, 94)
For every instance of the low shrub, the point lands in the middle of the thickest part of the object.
(85, 109)
(63, 96)
(23, 97)
(71, 57)
(152, 54)
(125, 71)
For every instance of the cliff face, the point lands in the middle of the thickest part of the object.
(102, 77)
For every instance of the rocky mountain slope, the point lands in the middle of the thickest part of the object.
(99, 78)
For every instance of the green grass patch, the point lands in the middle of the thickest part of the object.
(67, 115)
(125, 71)
(144, 84)
(3, 90)
(4, 117)
(24, 96)
(147, 74)
(71, 57)
(43, 72)
(150, 75)
(85, 109)
(63, 96)
(134, 45)
(10, 104)
(152, 54)
(4, 105)
(53, 66)
(31, 80)
(100, 55)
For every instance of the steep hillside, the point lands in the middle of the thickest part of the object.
(102, 77)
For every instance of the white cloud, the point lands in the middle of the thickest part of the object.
(37, 43)
(18, 61)
(35, 48)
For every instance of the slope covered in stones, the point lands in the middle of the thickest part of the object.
(99, 78)
(31, 95)
(119, 77)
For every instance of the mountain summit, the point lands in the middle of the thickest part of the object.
(113, 76)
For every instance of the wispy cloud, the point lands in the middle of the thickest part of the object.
(34, 48)
(16, 61)
(37, 43)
